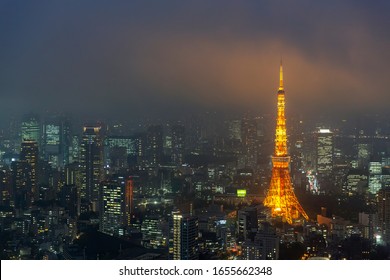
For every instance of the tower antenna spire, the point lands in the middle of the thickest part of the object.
(281, 87)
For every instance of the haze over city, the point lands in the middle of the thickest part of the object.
(164, 58)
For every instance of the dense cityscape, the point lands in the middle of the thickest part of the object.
(181, 130)
(107, 191)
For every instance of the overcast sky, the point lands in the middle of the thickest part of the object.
(134, 58)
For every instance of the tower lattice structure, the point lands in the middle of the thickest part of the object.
(281, 197)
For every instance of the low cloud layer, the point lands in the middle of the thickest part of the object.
(131, 59)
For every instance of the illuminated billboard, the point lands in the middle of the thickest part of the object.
(241, 193)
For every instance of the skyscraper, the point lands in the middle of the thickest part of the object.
(265, 245)
(127, 142)
(183, 239)
(111, 208)
(51, 143)
(364, 152)
(281, 197)
(235, 130)
(21, 186)
(69, 199)
(29, 155)
(31, 130)
(375, 176)
(65, 141)
(74, 149)
(121, 150)
(5, 189)
(249, 141)
(178, 142)
(384, 213)
(152, 233)
(247, 223)
(325, 148)
(154, 147)
(91, 162)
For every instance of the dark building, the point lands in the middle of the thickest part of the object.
(29, 155)
(122, 152)
(384, 213)
(21, 185)
(91, 164)
(154, 147)
(69, 199)
(247, 223)
(178, 144)
(5, 189)
(140, 149)
(249, 141)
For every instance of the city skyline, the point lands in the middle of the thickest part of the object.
(194, 190)
(168, 59)
(161, 131)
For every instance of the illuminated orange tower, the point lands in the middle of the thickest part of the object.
(281, 197)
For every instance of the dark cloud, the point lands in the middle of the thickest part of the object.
(133, 58)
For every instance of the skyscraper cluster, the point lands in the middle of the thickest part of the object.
(254, 186)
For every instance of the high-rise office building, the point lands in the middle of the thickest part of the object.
(154, 147)
(178, 144)
(91, 163)
(68, 198)
(384, 213)
(249, 141)
(152, 233)
(21, 185)
(364, 150)
(126, 142)
(247, 223)
(235, 130)
(183, 239)
(74, 149)
(72, 172)
(111, 208)
(65, 141)
(121, 150)
(375, 176)
(264, 246)
(51, 143)
(56, 141)
(386, 176)
(29, 155)
(356, 180)
(5, 189)
(14, 130)
(30, 129)
(325, 148)
(140, 147)
(116, 204)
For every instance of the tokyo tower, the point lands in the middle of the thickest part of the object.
(281, 197)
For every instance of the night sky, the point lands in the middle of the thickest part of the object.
(138, 58)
